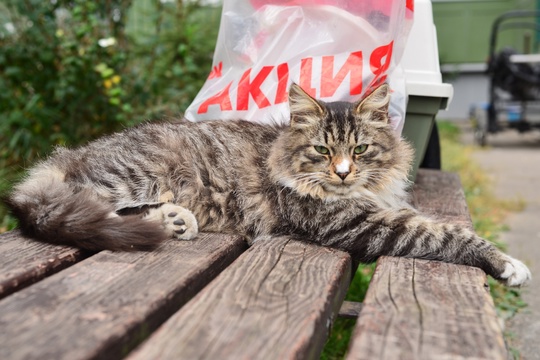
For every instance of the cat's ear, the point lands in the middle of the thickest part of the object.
(305, 110)
(376, 104)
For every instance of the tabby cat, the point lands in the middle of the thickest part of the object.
(337, 176)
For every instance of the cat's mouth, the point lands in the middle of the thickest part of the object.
(339, 187)
(341, 183)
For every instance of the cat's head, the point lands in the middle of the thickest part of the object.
(340, 149)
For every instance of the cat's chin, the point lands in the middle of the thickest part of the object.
(344, 191)
(325, 191)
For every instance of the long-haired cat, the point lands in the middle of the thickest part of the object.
(337, 176)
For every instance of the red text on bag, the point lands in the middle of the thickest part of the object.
(249, 84)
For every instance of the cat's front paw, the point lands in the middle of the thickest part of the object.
(515, 273)
(179, 222)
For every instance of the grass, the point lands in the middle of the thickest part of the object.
(488, 214)
(7, 178)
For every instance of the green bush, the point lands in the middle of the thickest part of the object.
(74, 70)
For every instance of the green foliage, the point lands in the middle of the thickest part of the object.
(73, 70)
(173, 45)
(50, 91)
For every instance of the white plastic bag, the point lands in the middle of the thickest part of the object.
(334, 49)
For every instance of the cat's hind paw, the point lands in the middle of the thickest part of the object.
(515, 273)
(179, 222)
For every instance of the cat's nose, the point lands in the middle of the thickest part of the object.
(342, 168)
(343, 175)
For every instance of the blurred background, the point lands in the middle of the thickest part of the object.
(464, 30)
(72, 70)
(491, 59)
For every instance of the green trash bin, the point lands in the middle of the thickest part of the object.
(427, 94)
(419, 120)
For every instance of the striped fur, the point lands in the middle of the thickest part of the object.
(314, 180)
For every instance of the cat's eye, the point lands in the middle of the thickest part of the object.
(322, 150)
(360, 149)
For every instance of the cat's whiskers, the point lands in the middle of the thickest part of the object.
(300, 177)
(308, 183)
(309, 177)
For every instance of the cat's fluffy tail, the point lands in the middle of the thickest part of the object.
(52, 211)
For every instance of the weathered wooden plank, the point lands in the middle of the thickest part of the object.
(277, 301)
(107, 304)
(24, 261)
(350, 309)
(440, 193)
(417, 309)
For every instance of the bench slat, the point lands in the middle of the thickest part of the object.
(25, 261)
(107, 304)
(350, 309)
(277, 301)
(440, 193)
(417, 309)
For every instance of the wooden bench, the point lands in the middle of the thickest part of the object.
(215, 298)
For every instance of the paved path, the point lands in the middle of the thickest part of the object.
(513, 161)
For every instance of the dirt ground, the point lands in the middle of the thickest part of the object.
(513, 162)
